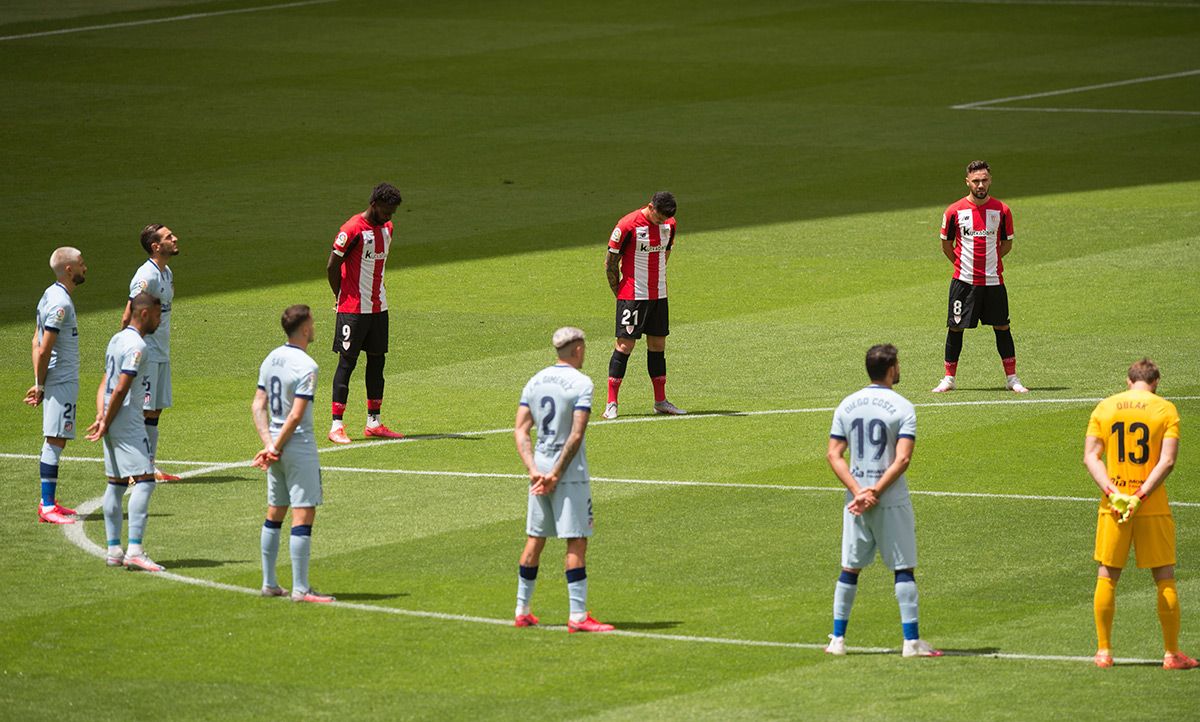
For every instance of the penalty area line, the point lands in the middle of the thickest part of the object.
(168, 19)
(76, 535)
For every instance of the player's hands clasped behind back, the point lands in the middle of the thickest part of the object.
(263, 459)
(542, 484)
(863, 500)
(34, 395)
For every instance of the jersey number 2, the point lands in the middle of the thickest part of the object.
(549, 415)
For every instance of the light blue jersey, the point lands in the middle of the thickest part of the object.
(871, 421)
(553, 395)
(125, 355)
(161, 285)
(56, 312)
(287, 374)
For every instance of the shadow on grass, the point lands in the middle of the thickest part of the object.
(975, 652)
(632, 626)
(366, 596)
(200, 563)
(205, 480)
(98, 515)
(993, 389)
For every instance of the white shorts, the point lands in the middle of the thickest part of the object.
(126, 457)
(295, 480)
(155, 379)
(891, 529)
(58, 409)
(566, 513)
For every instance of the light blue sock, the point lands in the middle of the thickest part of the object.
(48, 471)
(139, 509)
(577, 590)
(906, 595)
(270, 551)
(843, 600)
(113, 518)
(526, 580)
(152, 436)
(300, 546)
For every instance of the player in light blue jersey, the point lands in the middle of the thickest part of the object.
(56, 375)
(156, 278)
(879, 428)
(557, 401)
(126, 449)
(282, 411)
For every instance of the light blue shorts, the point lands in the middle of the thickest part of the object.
(155, 379)
(127, 456)
(566, 513)
(295, 480)
(58, 409)
(890, 529)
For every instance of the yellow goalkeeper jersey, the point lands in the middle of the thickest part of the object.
(1132, 425)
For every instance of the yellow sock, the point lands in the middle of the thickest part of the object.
(1104, 606)
(1168, 614)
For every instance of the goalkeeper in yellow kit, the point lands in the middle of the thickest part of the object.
(1132, 441)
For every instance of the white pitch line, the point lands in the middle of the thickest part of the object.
(1125, 111)
(725, 484)
(1080, 89)
(75, 534)
(170, 19)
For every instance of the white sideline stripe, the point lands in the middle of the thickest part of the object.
(1126, 111)
(100, 459)
(170, 19)
(76, 535)
(1080, 89)
(723, 484)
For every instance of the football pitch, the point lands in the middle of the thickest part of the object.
(812, 147)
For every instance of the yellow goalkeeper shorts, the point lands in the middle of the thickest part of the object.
(1153, 539)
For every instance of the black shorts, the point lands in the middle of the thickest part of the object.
(361, 332)
(972, 305)
(635, 318)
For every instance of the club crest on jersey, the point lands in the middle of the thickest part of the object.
(341, 240)
(68, 426)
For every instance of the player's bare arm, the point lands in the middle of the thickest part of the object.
(579, 422)
(1004, 247)
(105, 416)
(1161, 470)
(127, 314)
(612, 267)
(836, 456)
(904, 451)
(262, 424)
(1093, 459)
(521, 428)
(948, 251)
(333, 269)
(41, 366)
(299, 405)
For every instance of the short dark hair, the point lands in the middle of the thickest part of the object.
(150, 236)
(664, 203)
(385, 194)
(143, 300)
(1144, 370)
(294, 317)
(880, 358)
(978, 165)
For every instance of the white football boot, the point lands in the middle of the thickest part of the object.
(1014, 384)
(837, 645)
(666, 407)
(919, 648)
(946, 384)
(610, 410)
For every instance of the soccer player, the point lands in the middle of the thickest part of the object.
(557, 401)
(56, 374)
(636, 264)
(355, 270)
(1131, 445)
(977, 232)
(879, 428)
(119, 422)
(282, 411)
(155, 278)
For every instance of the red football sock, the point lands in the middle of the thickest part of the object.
(1010, 365)
(660, 388)
(338, 410)
(373, 406)
(951, 368)
(614, 387)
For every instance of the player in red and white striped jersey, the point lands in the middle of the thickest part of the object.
(636, 263)
(977, 232)
(355, 271)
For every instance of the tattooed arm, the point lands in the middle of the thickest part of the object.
(612, 266)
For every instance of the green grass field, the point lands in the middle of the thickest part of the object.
(812, 147)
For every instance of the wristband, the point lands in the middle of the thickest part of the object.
(40, 388)
(272, 450)
(1140, 495)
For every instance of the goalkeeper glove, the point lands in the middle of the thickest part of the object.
(1124, 504)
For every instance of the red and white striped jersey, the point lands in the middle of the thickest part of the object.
(643, 248)
(365, 248)
(976, 232)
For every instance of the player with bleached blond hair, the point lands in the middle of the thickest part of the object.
(1130, 449)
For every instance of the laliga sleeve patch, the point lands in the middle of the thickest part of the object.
(141, 286)
(60, 313)
(341, 240)
(616, 235)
